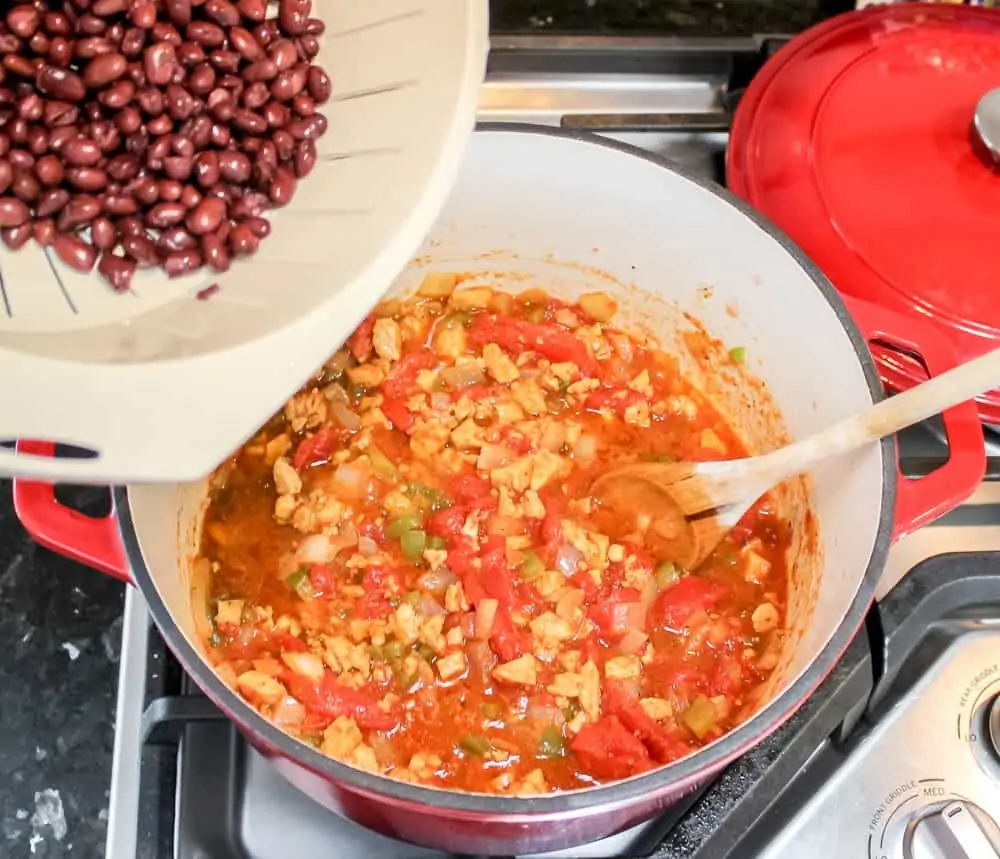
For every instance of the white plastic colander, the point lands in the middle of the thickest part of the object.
(163, 385)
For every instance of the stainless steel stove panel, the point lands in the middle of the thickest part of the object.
(916, 787)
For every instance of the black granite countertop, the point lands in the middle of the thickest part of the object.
(60, 630)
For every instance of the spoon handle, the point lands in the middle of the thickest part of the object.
(889, 416)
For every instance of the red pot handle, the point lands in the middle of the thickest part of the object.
(89, 540)
(924, 499)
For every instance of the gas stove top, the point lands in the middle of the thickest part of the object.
(894, 756)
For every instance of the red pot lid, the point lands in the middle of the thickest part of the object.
(870, 140)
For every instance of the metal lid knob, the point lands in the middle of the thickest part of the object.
(986, 126)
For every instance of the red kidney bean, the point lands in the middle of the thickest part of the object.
(49, 170)
(159, 62)
(26, 186)
(315, 27)
(105, 135)
(163, 32)
(213, 251)
(151, 101)
(179, 11)
(6, 175)
(104, 69)
(16, 237)
(38, 140)
(256, 96)
(132, 44)
(293, 16)
(143, 15)
(58, 137)
(177, 167)
(260, 227)
(39, 43)
(248, 121)
(21, 160)
(13, 212)
(242, 241)
(103, 233)
(206, 216)
(225, 61)
(253, 10)
(129, 120)
(246, 45)
(224, 13)
(160, 125)
(43, 231)
(303, 105)
(145, 189)
(305, 158)
(206, 34)
(170, 190)
(88, 49)
(31, 107)
(234, 166)
(289, 83)
(262, 70)
(123, 168)
(250, 205)
(81, 152)
(23, 20)
(80, 210)
(180, 263)
(118, 95)
(206, 169)
(175, 239)
(119, 204)
(117, 271)
(18, 130)
(277, 114)
(90, 24)
(283, 54)
(57, 24)
(165, 215)
(189, 54)
(74, 251)
(200, 132)
(308, 47)
(106, 8)
(59, 113)
(190, 197)
(201, 80)
(60, 83)
(141, 248)
(87, 178)
(308, 129)
(131, 227)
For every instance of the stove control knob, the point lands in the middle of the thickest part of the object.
(959, 830)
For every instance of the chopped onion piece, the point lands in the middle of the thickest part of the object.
(546, 714)
(429, 606)
(335, 393)
(289, 713)
(568, 559)
(339, 362)
(308, 665)
(585, 449)
(486, 613)
(437, 580)
(367, 546)
(463, 376)
(350, 480)
(345, 417)
(316, 549)
(440, 401)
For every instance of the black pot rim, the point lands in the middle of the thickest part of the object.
(590, 800)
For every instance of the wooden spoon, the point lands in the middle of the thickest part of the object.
(686, 508)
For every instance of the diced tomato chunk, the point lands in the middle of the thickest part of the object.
(663, 745)
(506, 641)
(360, 342)
(288, 642)
(517, 335)
(446, 523)
(322, 579)
(495, 574)
(404, 374)
(398, 414)
(675, 606)
(329, 700)
(316, 449)
(468, 487)
(617, 400)
(608, 750)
